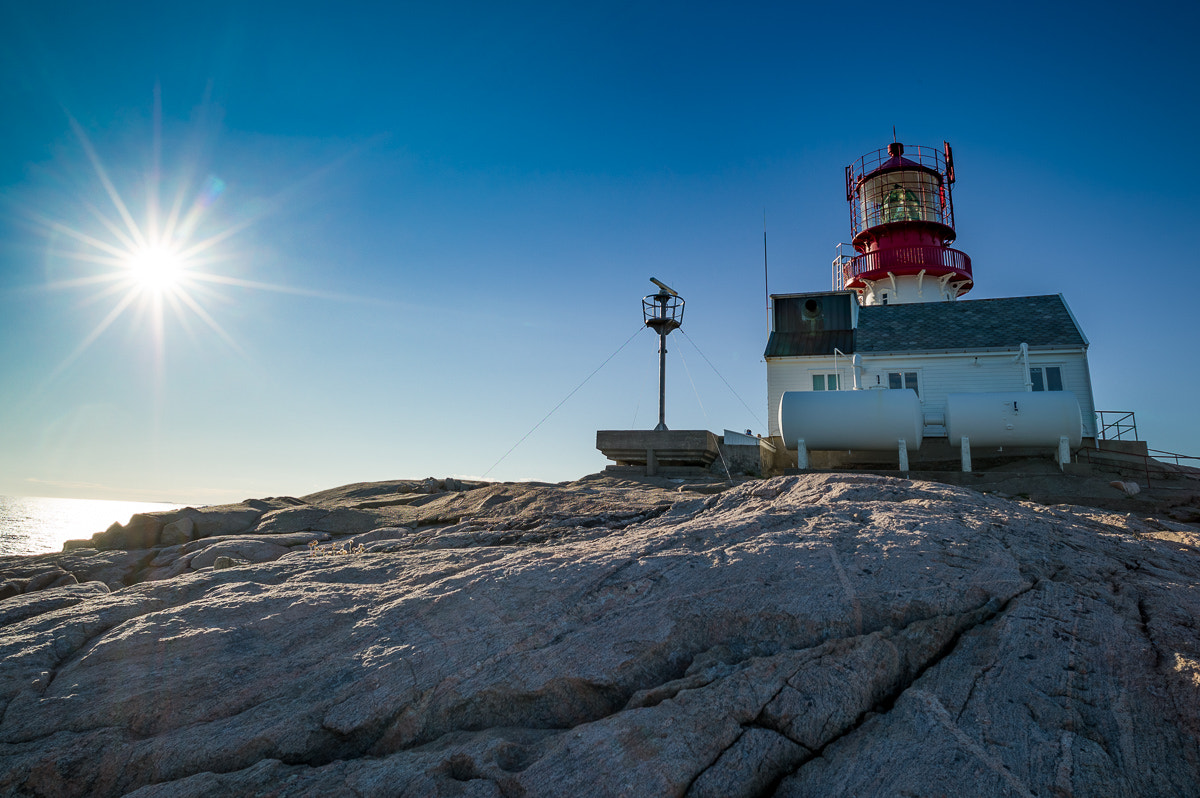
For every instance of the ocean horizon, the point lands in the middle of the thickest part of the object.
(40, 525)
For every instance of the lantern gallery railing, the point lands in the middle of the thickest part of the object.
(901, 184)
(910, 260)
(900, 197)
(929, 157)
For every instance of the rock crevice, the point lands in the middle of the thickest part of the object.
(800, 636)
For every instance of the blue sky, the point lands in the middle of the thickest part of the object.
(425, 224)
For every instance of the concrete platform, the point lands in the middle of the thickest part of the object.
(659, 452)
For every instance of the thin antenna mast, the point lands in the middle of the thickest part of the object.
(766, 280)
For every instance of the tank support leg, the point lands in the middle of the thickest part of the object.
(903, 455)
(1064, 452)
(966, 454)
(801, 455)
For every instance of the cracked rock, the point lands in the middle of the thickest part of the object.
(825, 634)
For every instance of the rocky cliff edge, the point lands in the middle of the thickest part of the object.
(816, 635)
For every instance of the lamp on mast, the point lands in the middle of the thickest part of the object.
(663, 312)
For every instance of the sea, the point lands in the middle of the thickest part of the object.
(36, 525)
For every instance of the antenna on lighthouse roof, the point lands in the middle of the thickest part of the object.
(893, 133)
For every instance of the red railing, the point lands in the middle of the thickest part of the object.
(925, 206)
(910, 260)
(1161, 456)
(1150, 466)
(931, 198)
(929, 157)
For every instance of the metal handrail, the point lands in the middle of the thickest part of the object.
(934, 205)
(1159, 454)
(1146, 460)
(929, 157)
(910, 257)
(1120, 427)
(926, 206)
(840, 260)
(1086, 451)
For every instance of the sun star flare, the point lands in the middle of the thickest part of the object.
(156, 268)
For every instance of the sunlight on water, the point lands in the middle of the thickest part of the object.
(34, 525)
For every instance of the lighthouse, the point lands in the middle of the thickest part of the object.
(893, 360)
(902, 222)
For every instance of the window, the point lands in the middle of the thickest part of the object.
(1046, 378)
(825, 382)
(898, 380)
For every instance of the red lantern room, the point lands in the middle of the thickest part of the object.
(902, 219)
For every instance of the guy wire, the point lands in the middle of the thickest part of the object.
(564, 400)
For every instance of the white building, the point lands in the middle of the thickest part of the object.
(825, 342)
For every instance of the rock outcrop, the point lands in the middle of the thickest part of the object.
(809, 635)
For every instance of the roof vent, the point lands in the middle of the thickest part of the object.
(811, 310)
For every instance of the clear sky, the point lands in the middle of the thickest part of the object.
(412, 229)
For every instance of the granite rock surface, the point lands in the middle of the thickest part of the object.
(824, 634)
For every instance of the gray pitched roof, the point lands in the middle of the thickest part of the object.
(1040, 321)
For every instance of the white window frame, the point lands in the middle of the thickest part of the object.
(903, 376)
(825, 376)
(1043, 374)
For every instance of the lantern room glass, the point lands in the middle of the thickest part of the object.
(900, 196)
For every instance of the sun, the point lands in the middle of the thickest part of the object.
(156, 264)
(162, 259)
(156, 268)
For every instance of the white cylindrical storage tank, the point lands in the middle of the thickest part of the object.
(832, 420)
(1027, 418)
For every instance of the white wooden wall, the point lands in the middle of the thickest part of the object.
(939, 375)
